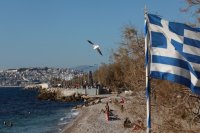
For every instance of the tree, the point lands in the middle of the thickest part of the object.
(194, 6)
(127, 68)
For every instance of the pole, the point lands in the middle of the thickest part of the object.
(148, 87)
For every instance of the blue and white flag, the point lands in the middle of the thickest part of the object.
(174, 52)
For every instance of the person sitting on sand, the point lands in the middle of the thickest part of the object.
(122, 104)
(85, 102)
(107, 107)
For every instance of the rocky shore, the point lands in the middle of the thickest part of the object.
(59, 94)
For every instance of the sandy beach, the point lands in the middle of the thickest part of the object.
(92, 119)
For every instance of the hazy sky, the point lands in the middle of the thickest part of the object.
(53, 33)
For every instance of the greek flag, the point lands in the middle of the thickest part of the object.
(174, 52)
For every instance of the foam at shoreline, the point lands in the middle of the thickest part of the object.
(68, 119)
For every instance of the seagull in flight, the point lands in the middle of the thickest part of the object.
(95, 46)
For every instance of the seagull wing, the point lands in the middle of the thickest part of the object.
(90, 42)
(98, 49)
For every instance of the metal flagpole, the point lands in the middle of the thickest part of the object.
(148, 87)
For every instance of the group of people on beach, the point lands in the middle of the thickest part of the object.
(138, 125)
(107, 108)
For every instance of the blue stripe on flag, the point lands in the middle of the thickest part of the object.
(178, 46)
(174, 62)
(177, 28)
(189, 57)
(192, 28)
(158, 40)
(147, 53)
(197, 74)
(192, 58)
(146, 58)
(155, 19)
(192, 42)
(170, 61)
(175, 78)
(145, 29)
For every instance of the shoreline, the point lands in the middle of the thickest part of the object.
(69, 127)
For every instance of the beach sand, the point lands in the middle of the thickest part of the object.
(92, 120)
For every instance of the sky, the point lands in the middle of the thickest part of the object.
(54, 33)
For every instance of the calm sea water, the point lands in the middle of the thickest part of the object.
(30, 115)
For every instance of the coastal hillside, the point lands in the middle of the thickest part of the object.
(85, 68)
(27, 76)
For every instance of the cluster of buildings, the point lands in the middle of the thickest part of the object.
(26, 76)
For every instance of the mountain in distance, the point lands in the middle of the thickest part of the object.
(85, 68)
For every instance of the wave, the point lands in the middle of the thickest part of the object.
(68, 117)
(74, 112)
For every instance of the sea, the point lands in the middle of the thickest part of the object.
(22, 112)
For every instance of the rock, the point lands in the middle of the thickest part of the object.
(47, 95)
(127, 123)
(97, 101)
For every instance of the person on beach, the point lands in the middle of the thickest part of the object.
(107, 111)
(122, 104)
(85, 102)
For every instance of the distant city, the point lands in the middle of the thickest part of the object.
(27, 76)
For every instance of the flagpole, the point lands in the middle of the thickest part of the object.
(148, 87)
